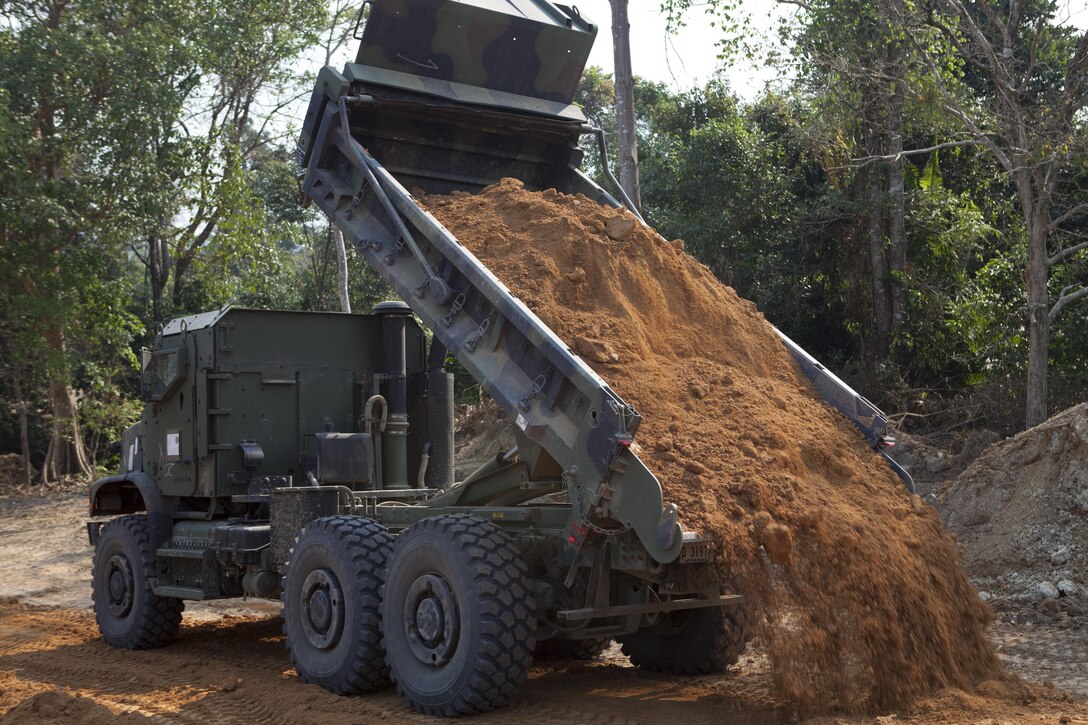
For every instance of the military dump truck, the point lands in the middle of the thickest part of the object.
(309, 457)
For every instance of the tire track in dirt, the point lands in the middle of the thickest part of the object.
(237, 670)
(65, 657)
(55, 668)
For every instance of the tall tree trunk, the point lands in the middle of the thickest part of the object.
(878, 262)
(897, 226)
(627, 139)
(158, 262)
(874, 179)
(1038, 300)
(341, 269)
(181, 268)
(66, 455)
(24, 427)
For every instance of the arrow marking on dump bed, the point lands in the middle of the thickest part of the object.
(430, 64)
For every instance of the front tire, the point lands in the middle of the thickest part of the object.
(692, 642)
(457, 616)
(331, 591)
(129, 614)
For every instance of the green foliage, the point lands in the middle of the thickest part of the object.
(954, 323)
(125, 126)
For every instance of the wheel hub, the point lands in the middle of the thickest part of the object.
(431, 620)
(322, 609)
(120, 585)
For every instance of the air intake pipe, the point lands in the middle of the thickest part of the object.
(395, 391)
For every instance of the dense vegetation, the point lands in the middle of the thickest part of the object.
(912, 207)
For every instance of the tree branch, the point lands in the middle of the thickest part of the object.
(1064, 300)
(1066, 253)
(1075, 96)
(1000, 73)
(953, 107)
(866, 160)
(1075, 211)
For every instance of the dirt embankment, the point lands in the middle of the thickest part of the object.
(863, 600)
(1021, 510)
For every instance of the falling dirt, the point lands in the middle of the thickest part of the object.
(862, 600)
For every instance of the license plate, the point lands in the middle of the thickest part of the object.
(696, 552)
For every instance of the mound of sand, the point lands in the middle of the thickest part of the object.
(865, 604)
(1021, 511)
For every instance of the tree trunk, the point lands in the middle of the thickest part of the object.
(181, 268)
(24, 428)
(627, 139)
(874, 203)
(341, 269)
(1038, 300)
(66, 455)
(878, 263)
(158, 270)
(897, 226)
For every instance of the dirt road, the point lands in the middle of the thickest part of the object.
(230, 665)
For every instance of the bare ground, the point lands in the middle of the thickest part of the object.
(230, 664)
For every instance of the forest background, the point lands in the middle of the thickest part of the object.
(910, 204)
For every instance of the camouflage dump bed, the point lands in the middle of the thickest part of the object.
(458, 95)
(479, 51)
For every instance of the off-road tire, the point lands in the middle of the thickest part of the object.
(557, 648)
(347, 554)
(129, 614)
(470, 567)
(695, 642)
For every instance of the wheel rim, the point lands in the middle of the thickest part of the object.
(431, 621)
(322, 609)
(119, 585)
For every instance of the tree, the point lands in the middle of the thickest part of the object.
(71, 106)
(1034, 127)
(627, 147)
(1035, 78)
(851, 59)
(233, 103)
(1015, 83)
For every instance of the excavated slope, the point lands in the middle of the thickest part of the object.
(860, 594)
(1021, 508)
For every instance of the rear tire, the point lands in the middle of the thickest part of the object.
(557, 648)
(129, 614)
(331, 594)
(457, 616)
(692, 642)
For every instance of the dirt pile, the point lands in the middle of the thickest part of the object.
(1021, 512)
(864, 604)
